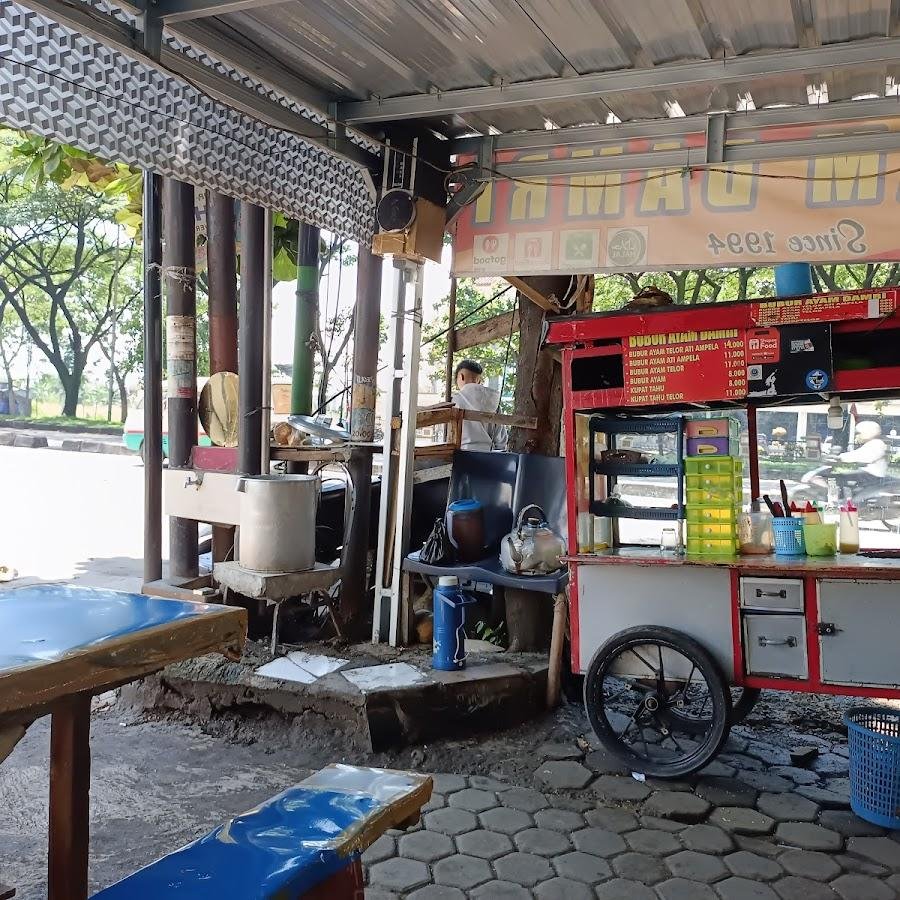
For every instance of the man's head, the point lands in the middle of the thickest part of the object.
(468, 372)
(867, 431)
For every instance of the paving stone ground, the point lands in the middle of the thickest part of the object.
(752, 826)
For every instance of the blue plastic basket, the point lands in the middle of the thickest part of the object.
(789, 536)
(874, 735)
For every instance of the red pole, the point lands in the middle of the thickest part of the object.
(753, 452)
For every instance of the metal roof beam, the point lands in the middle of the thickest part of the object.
(245, 100)
(666, 77)
(182, 10)
(586, 135)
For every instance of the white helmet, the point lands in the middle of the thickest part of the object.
(867, 431)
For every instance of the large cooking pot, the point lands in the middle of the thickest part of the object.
(278, 522)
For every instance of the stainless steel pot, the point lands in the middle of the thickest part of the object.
(278, 522)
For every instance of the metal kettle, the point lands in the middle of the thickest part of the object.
(532, 547)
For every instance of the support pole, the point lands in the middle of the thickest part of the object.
(223, 348)
(181, 359)
(250, 339)
(153, 423)
(354, 581)
(390, 413)
(305, 320)
(266, 373)
(409, 405)
(451, 343)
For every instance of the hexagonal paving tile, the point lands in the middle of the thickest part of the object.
(525, 799)
(558, 751)
(500, 890)
(707, 839)
(425, 846)
(434, 892)
(448, 784)
(618, 820)
(677, 805)
(656, 843)
(450, 821)
(541, 842)
(399, 874)
(523, 868)
(598, 841)
(464, 872)
(744, 889)
(624, 889)
(696, 866)
(787, 807)
(657, 824)
(682, 889)
(563, 775)
(620, 788)
(505, 821)
(825, 798)
(582, 867)
(378, 894)
(726, 792)
(882, 850)
(738, 820)
(811, 837)
(473, 800)
(766, 781)
(847, 823)
(810, 864)
(750, 865)
(795, 888)
(485, 783)
(857, 887)
(563, 889)
(384, 847)
(639, 867)
(483, 843)
(563, 820)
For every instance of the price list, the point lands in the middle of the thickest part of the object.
(685, 367)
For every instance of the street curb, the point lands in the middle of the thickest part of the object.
(72, 445)
(60, 427)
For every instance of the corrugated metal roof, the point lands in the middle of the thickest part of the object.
(358, 49)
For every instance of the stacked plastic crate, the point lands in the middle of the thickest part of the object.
(713, 487)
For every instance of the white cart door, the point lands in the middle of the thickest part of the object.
(863, 649)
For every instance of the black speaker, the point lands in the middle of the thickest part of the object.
(396, 210)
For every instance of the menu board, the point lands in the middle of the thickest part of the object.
(685, 367)
(871, 304)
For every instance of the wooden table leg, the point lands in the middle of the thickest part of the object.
(70, 782)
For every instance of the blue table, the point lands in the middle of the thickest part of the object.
(60, 646)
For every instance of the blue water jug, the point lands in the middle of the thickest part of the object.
(449, 645)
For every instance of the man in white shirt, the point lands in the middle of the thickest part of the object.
(871, 451)
(472, 394)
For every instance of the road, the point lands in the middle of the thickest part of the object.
(72, 516)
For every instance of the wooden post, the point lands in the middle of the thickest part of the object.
(557, 638)
(451, 343)
(70, 783)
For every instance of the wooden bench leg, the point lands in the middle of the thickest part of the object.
(407, 616)
(70, 784)
(344, 885)
(557, 639)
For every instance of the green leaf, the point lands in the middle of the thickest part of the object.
(284, 267)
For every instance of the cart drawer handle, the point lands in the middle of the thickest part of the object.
(787, 642)
(782, 594)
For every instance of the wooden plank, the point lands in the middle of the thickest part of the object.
(99, 667)
(70, 784)
(515, 421)
(312, 454)
(431, 473)
(489, 330)
(551, 304)
(435, 415)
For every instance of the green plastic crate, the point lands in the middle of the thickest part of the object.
(724, 531)
(711, 547)
(727, 512)
(713, 465)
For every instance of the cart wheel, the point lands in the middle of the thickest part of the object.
(742, 702)
(657, 700)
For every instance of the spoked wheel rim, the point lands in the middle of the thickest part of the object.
(657, 700)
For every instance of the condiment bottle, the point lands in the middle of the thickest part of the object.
(849, 531)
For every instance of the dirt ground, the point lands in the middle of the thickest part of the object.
(159, 781)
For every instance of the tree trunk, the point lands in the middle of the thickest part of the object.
(123, 397)
(71, 385)
(539, 378)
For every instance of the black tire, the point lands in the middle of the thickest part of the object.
(700, 741)
(741, 707)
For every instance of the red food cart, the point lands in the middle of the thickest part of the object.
(676, 643)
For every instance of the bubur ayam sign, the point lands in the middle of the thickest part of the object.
(826, 209)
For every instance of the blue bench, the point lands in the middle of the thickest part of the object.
(303, 843)
(505, 483)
